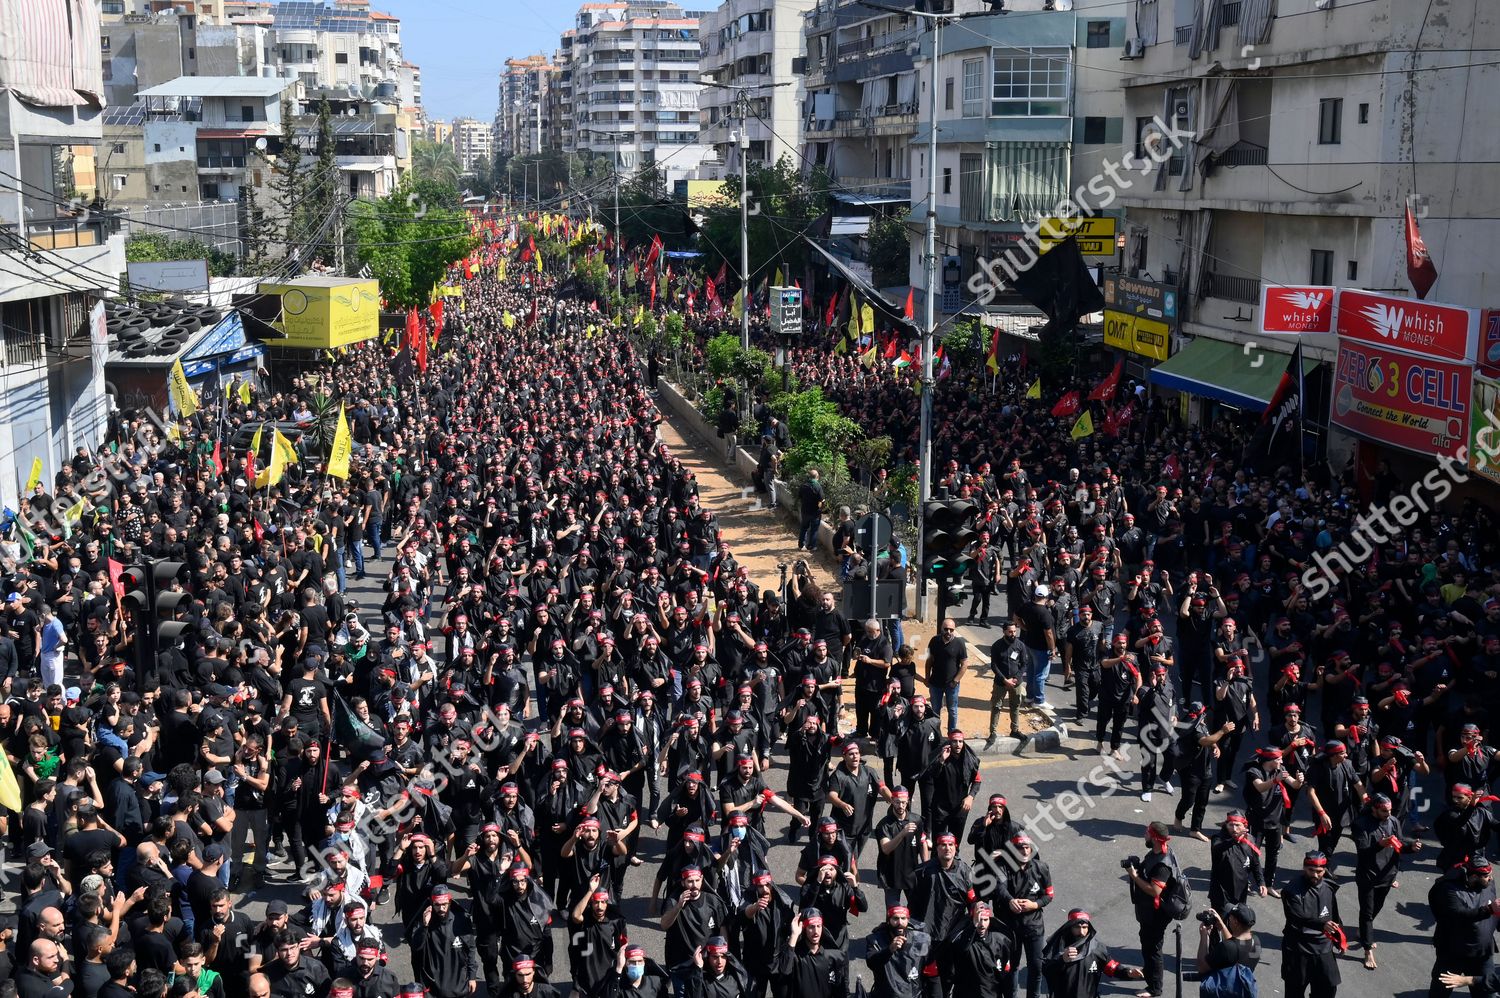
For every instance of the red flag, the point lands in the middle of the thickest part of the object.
(654, 252)
(1068, 405)
(723, 274)
(436, 311)
(910, 310)
(710, 291)
(421, 349)
(218, 459)
(1105, 390)
(413, 329)
(890, 349)
(653, 296)
(1171, 467)
(532, 320)
(1420, 269)
(833, 307)
(115, 568)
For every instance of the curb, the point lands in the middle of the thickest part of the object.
(1047, 740)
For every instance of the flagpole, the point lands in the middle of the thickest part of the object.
(924, 482)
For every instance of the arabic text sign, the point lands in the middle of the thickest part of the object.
(1418, 403)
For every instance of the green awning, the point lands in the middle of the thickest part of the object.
(1239, 375)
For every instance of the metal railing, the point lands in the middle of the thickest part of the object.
(1229, 14)
(1243, 154)
(1183, 35)
(1241, 289)
(22, 347)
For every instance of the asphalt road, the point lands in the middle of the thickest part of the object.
(1084, 822)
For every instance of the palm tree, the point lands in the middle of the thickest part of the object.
(436, 162)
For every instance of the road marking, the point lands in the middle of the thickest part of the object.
(1022, 761)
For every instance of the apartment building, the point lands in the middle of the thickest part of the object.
(55, 254)
(471, 141)
(635, 86)
(1028, 108)
(752, 44)
(1288, 139)
(560, 96)
(523, 123)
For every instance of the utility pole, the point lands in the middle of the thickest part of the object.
(742, 103)
(619, 271)
(929, 329)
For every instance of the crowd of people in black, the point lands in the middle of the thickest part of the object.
(569, 674)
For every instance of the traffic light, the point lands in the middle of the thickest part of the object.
(154, 608)
(947, 534)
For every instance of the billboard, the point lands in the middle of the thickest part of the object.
(1137, 334)
(1096, 235)
(1484, 448)
(168, 275)
(1421, 327)
(318, 313)
(1419, 403)
(1139, 316)
(1489, 342)
(1296, 310)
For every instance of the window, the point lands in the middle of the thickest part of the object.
(119, 181)
(1098, 35)
(1321, 271)
(947, 180)
(192, 52)
(1093, 130)
(1364, 114)
(948, 94)
(103, 43)
(341, 58)
(157, 145)
(247, 112)
(114, 6)
(119, 147)
(973, 88)
(1031, 84)
(1330, 121)
(1353, 270)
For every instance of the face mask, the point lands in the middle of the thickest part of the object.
(635, 971)
(738, 833)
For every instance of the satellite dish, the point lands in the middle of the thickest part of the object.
(260, 144)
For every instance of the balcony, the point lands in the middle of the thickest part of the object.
(67, 232)
(899, 187)
(22, 348)
(1240, 289)
(862, 48)
(1242, 154)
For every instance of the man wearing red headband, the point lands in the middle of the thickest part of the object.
(1380, 846)
(1334, 790)
(1024, 891)
(1268, 788)
(762, 923)
(1313, 927)
(1158, 891)
(369, 974)
(714, 972)
(1235, 870)
(524, 982)
(896, 952)
(943, 889)
(981, 958)
(1076, 961)
(442, 948)
(806, 966)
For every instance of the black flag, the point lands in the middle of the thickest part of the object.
(1278, 439)
(1059, 283)
(352, 733)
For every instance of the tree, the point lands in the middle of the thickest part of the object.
(254, 226)
(789, 205)
(410, 238)
(480, 183)
(890, 252)
(436, 162)
(158, 247)
(325, 194)
(288, 187)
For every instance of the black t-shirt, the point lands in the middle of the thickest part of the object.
(1228, 952)
(154, 951)
(1036, 620)
(944, 659)
(305, 695)
(78, 845)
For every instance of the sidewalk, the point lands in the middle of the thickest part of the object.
(761, 537)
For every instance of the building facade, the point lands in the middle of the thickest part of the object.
(56, 254)
(635, 86)
(471, 141)
(524, 125)
(754, 45)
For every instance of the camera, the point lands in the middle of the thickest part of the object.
(1130, 862)
(1207, 918)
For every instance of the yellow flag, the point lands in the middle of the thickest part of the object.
(841, 347)
(35, 478)
(737, 309)
(245, 392)
(509, 320)
(1084, 427)
(282, 444)
(778, 282)
(74, 513)
(10, 790)
(1035, 391)
(867, 318)
(868, 357)
(538, 259)
(500, 270)
(343, 447)
(855, 315)
(180, 391)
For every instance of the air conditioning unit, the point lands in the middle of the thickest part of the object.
(1135, 48)
(1179, 110)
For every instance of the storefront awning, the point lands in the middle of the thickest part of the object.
(1225, 372)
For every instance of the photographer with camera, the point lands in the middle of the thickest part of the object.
(1228, 953)
(1160, 896)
